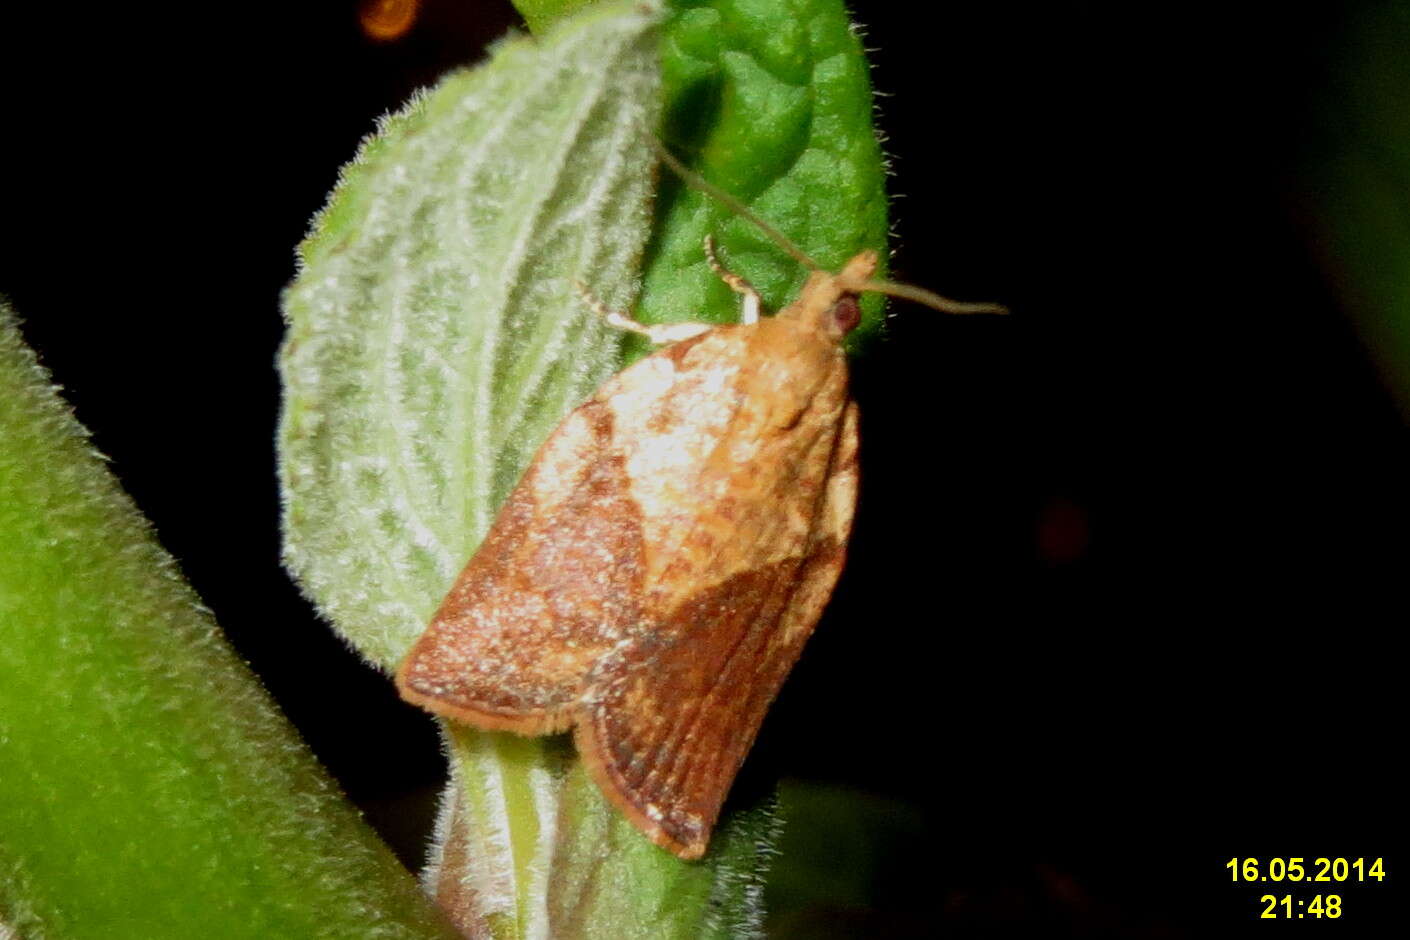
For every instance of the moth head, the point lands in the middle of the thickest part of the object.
(830, 302)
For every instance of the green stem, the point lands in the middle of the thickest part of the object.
(148, 787)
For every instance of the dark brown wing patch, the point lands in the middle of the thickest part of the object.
(666, 726)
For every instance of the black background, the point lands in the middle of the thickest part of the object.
(1123, 588)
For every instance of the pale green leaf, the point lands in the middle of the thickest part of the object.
(434, 335)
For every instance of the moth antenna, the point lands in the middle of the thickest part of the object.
(931, 299)
(905, 291)
(696, 181)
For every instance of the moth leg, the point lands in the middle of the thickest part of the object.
(658, 333)
(750, 313)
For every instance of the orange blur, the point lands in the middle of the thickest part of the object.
(386, 20)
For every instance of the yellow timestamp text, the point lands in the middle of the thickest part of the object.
(1302, 869)
(1296, 901)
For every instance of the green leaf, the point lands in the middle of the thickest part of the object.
(434, 335)
(148, 787)
(771, 101)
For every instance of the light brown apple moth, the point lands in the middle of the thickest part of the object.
(653, 577)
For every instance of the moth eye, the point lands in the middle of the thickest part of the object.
(846, 314)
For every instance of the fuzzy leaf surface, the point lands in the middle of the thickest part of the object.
(434, 336)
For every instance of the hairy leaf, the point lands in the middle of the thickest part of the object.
(434, 335)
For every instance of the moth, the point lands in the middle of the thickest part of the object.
(655, 574)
